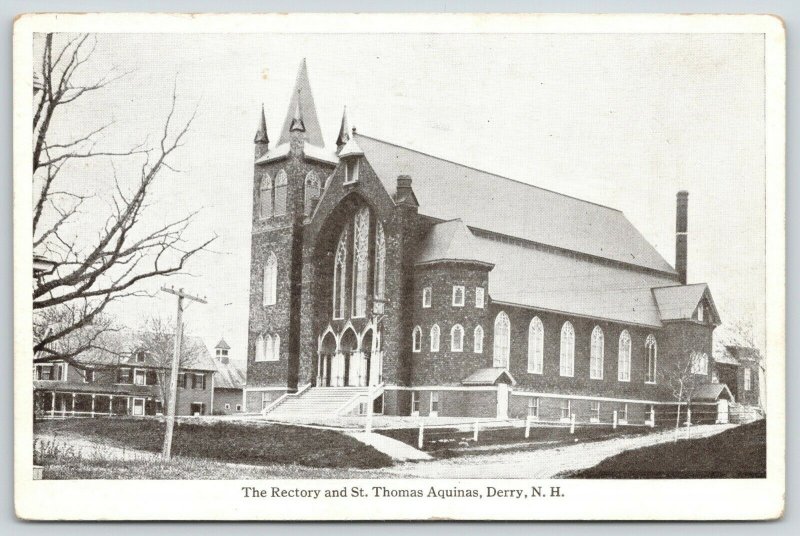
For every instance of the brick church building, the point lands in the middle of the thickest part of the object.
(438, 289)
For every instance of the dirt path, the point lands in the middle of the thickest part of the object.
(544, 463)
(88, 449)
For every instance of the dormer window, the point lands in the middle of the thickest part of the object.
(351, 170)
(140, 356)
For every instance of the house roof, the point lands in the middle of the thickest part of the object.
(711, 392)
(126, 344)
(223, 345)
(679, 302)
(747, 353)
(301, 106)
(229, 376)
(450, 241)
(489, 376)
(447, 190)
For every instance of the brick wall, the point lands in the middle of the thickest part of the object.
(232, 397)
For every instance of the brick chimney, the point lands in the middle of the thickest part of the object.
(405, 194)
(681, 234)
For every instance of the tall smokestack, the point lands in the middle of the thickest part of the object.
(681, 234)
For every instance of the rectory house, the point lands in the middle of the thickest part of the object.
(431, 288)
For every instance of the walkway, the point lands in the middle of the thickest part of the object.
(397, 450)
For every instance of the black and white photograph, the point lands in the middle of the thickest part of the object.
(449, 262)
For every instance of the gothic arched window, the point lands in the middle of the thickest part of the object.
(624, 361)
(265, 196)
(380, 262)
(260, 350)
(651, 354)
(281, 193)
(567, 361)
(502, 340)
(360, 262)
(340, 276)
(270, 280)
(597, 354)
(416, 339)
(276, 349)
(457, 339)
(477, 340)
(269, 350)
(312, 191)
(535, 346)
(435, 338)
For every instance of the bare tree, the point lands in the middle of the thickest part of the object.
(93, 269)
(742, 333)
(683, 377)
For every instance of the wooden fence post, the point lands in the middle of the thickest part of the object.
(475, 432)
(527, 427)
(615, 420)
(572, 424)
(652, 417)
(421, 433)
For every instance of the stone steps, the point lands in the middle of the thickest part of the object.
(316, 402)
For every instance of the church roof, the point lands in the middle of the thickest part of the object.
(302, 112)
(679, 302)
(711, 392)
(449, 241)
(447, 190)
(489, 376)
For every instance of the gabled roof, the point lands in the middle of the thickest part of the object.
(711, 392)
(447, 190)
(223, 345)
(119, 348)
(489, 376)
(301, 106)
(229, 376)
(276, 153)
(351, 148)
(450, 241)
(679, 302)
(743, 353)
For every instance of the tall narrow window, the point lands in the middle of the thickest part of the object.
(477, 340)
(597, 354)
(457, 339)
(271, 279)
(748, 379)
(567, 361)
(265, 196)
(276, 349)
(340, 276)
(535, 346)
(479, 297)
(699, 363)
(426, 297)
(380, 263)
(281, 193)
(502, 340)
(624, 361)
(351, 170)
(269, 349)
(260, 350)
(651, 353)
(458, 295)
(360, 262)
(312, 191)
(416, 339)
(435, 338)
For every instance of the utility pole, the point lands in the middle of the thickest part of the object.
(166, 452)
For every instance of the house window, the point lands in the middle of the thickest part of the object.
(139, 377)
(198, 381)
(227, 406)
(477, 340)
(567, 361)
(416, 339)
(140, 356)
(502, 340)
(699, 363)
(426, 297)
(747, 379)
(265, 197)
(414, 403)
(340, 277)
(48, 372)
(596, 354)
(457, 339)
(458, 296)
(535, 346)
(281, 193)
(594, 411)
(182, 380)
(360, 262)
(124, 375)
(650, 417)
(624, 359)
(700, 313)
(435, 338)
(380, 265)
(270, 280)
(434, 404)
(351, 171)
(311, 191)
(622, 415)
(533, 407)
(264, 400)
(566, 409)
(479, 297)
(651, 351)
(238, 407)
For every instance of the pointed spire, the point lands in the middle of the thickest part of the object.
(302, 113)
(261, 135)
(344, 131)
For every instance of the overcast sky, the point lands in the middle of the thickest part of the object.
(622, 120)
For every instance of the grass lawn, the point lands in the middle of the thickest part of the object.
(740, 452)
(226, 442)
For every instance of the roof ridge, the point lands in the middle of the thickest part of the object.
(490, 173)
(679, 286)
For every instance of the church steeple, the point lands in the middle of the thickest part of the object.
(344, 131)
(302, 113)
(261, 134)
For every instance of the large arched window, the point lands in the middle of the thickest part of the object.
(360, 262)
(597, 354)
(260, 349)
(270, 280)
(416, 339)
(502, 340)
(457, 339)
(435, 332)
(340, 276)
(281, 193)
(651, 354)
(276, 349)
(380, 263)
(265, 196)
(624, 361)
(535, 346)
(567, 361)
(477, 340)
(312, 191)
(269, 349)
